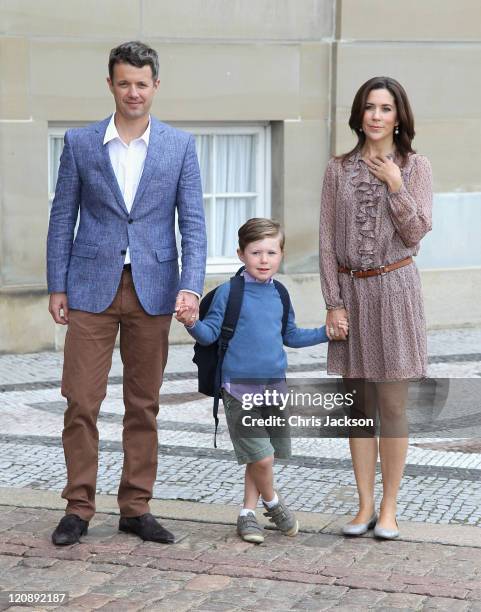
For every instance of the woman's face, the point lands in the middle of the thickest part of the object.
(380, 115)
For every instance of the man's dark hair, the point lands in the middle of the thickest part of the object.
(136, 54)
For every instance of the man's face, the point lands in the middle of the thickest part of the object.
(133, 90)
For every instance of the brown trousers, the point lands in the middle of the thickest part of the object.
(89, 345)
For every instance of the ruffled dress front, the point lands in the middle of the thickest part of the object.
(364, 226)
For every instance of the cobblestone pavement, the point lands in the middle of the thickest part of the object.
(210, 569)
(442, 482)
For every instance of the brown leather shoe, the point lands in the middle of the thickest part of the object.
(69, 530)
(147, 528)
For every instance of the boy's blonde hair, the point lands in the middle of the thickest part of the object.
(259, 228)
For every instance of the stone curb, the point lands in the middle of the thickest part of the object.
(311, 522)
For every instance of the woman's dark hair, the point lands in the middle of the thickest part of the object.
(405, 118)
(136, 54)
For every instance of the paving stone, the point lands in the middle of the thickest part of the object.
(361, 597)
(314, 603)
(91, 601)
(71, 553)
(401, 601)
(239, 571)
(269, 604)
(282, 564)
(224, 558)
(124, 560)
(112, 547)
(38, 562)
(438, 591)
(167, 552)
(180, 565)
(206, 584)
(122, 606)
(447, 604)
(180, 601)
(269, 552)
(12, 549)
(261, 593)
(175, 576)
(371, 582)
(210, 606)
(105, 568)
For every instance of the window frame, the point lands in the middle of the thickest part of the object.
(53, 132)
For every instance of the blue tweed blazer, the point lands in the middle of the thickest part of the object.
(89, 268)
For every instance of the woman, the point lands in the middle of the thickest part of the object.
(376, 207)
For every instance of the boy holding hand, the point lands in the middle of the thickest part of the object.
(255, 354)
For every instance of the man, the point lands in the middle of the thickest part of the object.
(127, 175)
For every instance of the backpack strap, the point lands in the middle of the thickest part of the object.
(286, 304)
(231, 316)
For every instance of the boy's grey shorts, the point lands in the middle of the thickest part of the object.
(261, 443)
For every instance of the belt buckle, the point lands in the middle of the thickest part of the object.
(352, 272)
(383, 270)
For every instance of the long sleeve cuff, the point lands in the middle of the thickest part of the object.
(335, 306)
(190, 291)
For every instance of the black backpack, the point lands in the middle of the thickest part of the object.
(209, 358)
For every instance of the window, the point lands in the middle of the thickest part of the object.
(235, 169)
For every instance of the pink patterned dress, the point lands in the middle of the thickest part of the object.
(364, 226)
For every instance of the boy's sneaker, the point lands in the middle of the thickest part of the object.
(284, 518)
(249, 529)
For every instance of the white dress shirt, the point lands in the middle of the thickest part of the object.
(127, 162)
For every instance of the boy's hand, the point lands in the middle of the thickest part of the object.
(183, 314)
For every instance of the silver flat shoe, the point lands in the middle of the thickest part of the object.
(359, 528)
(386, 534)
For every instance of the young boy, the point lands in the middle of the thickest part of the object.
(256, 354)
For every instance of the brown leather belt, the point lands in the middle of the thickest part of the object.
(376, 271)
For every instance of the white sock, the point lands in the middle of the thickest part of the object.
(246, 511)
(274, 501)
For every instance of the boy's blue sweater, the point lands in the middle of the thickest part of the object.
(256, 349)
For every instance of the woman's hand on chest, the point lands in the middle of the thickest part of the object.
(386, 170)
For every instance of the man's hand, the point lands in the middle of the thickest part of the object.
(58, 308)
(187, 308)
